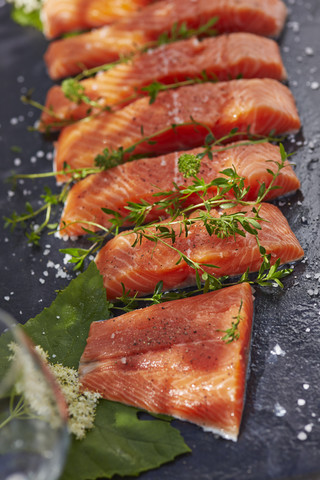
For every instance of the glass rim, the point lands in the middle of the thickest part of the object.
(28, 347)
(12, 326)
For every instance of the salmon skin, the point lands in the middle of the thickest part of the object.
(140, 268)
(63, 16)
(172, 359)
(223, 58)
(69, 56)
(262, 104)
(139, 180)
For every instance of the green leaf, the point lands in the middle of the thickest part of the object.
(31, 19)
(62, 329)
(120, 443)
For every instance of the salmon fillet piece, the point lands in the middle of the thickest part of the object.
(262, 104)
(71, 55)
(224, 57)
(63, 16)
(141, 179)
(140, 268)
(171, 359)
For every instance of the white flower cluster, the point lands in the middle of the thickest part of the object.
(27, 5)
(39, 399)
(81, 404)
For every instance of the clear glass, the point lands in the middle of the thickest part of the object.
(33, 416)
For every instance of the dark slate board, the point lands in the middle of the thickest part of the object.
(285, 358)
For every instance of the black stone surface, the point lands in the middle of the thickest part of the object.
(285, 356)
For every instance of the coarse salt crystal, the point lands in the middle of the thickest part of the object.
(302, 436)
(309, 51)
(314, 85)
(308, 428)
(279, 410)
(278, 351)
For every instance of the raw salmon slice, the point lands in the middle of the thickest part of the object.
(63, 16)
(223, 58)
(262, 104)
(171, 359)
(140, 268)
(69, 56)
(141, 179)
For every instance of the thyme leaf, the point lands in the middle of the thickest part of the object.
(189, 164)
(75, 92)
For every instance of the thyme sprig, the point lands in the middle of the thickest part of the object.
(176, 33)
(230, 192)
(75, 92)
(110, 158)
(171, 202)
(50, 200)
(267, 276)
(79, 255)
(223, 226)
(182, 32)
(232, 333)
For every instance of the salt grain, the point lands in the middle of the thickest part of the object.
(278, 351)
(308, 428)
(279, 410)
(301, 402)
(309, 51)
(302, 436)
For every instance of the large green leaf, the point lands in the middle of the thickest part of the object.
(120, 443)
(62, 329)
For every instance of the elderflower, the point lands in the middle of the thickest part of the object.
(27, 5)
(81, 404)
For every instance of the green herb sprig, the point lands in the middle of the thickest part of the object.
(171, 202)
(176, 33)
(232, 333)
(50, 200)
(225, 225)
